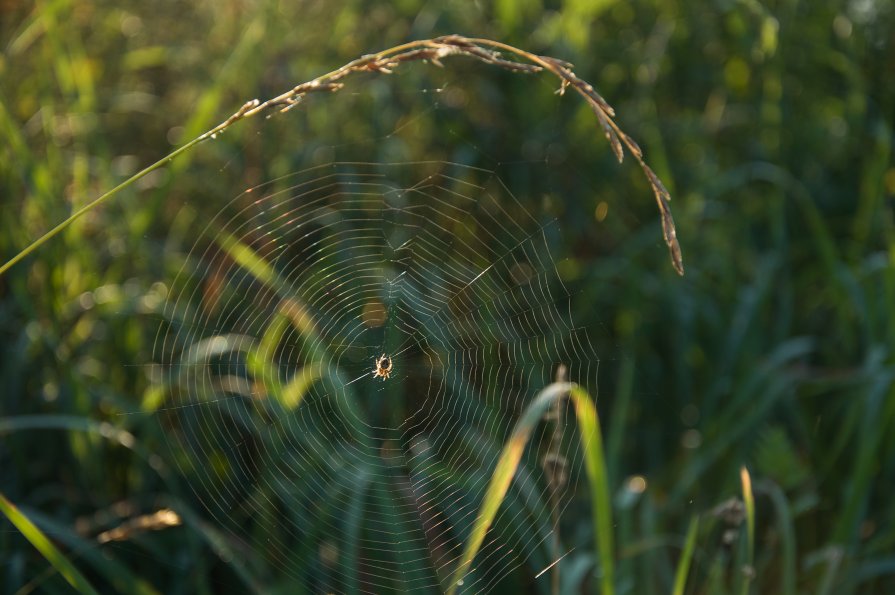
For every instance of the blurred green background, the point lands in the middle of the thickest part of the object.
(771, 123)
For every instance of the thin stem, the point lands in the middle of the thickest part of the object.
(432, 50)
(95, 203)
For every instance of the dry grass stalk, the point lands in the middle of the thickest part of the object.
(434, 51)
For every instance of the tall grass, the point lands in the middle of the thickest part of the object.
(40, 541)
(386, 61)
(771, 123)
(508, 464)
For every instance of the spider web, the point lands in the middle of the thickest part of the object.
(272, 407)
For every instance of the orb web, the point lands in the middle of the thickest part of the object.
(273, 332)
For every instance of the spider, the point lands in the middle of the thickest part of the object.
(383, 367)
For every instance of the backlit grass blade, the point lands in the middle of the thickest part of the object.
(89, 553)
(595, 464)
(683, 565)
(45, 547)
(508, 463)
(749, 502)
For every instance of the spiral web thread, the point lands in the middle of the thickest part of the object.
(275, 324)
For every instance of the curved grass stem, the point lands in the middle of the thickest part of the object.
(385, 62)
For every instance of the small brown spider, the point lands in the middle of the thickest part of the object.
(383, 367)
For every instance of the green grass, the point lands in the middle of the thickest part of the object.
(772, 124)
(508, 465)
(683, 565)
(40, 541)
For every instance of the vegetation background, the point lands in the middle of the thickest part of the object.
(771, 122)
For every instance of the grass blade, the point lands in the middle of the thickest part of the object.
(45, 547)
(508, 464)
(683, 565)
(787, 536)
(749, 501)
(595, 464)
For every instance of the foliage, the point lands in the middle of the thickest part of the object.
(769, 122)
